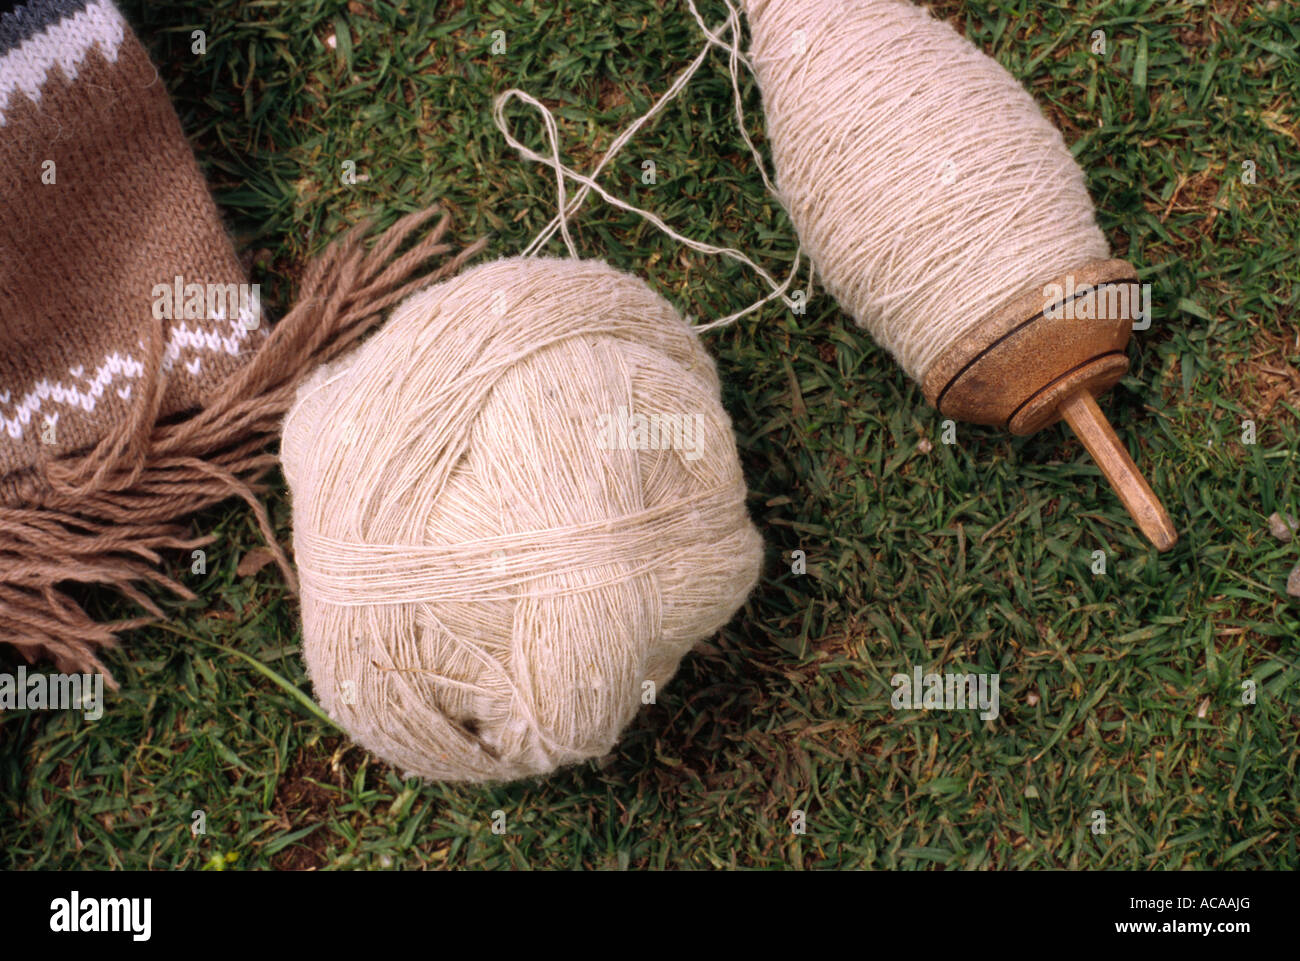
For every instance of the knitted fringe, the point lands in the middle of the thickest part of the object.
(106, 516)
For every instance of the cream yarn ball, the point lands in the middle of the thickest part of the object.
(515, 508)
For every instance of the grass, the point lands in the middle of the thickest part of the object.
(1120, 692)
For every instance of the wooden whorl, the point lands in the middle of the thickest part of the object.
(993, 373)
(1046, 356)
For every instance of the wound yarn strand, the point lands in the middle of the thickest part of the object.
(914, 168)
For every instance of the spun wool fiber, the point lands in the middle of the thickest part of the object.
(921, 177)
(487, 581)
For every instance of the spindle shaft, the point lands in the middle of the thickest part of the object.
(1081, 412)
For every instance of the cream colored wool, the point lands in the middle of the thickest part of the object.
(485, 590)
(921, 177)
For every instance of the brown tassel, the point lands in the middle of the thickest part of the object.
(105, 516)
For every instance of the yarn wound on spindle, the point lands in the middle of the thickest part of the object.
(491, 573)
(915, 168)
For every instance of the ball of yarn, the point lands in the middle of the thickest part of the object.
(925, 183)
(515, 508)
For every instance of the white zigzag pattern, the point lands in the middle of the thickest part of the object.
(117, 365)
(65, 44)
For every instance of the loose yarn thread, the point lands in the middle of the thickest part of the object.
(589, 184)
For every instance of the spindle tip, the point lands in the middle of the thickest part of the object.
(1081, 412)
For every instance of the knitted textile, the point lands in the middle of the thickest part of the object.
(138, 380)
(101, 201)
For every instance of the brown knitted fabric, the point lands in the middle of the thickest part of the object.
(100, 202)
(124, 407)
